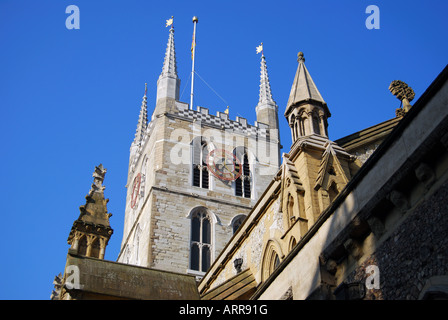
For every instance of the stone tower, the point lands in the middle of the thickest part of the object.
(318, 168)
(193, 176)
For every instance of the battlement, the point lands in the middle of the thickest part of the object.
(222, 121)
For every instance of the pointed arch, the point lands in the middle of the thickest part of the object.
(201, 238)
(244, 183)
(82, 246)
(237, 221)
(316, 123)
(272, 257)
(292, 243)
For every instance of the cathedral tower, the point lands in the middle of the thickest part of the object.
(193, 176)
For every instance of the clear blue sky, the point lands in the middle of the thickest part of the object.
(70, 99)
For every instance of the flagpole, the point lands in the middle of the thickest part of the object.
(195, 21)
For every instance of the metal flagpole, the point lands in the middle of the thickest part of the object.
(193, 48)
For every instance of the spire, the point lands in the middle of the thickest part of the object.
(91, 231)
(266, 109)
(168, 84)
(169, 68)
(142, 119)
(265, 96)
(306, 111)
(303, 88)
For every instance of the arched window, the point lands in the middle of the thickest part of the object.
(201, 240)
(200, 170)
(316, 124)
(237, 222)
(271, 259)
(243, 185)
(292, 243)
(82, 246)
(95, 248)
(137, 236)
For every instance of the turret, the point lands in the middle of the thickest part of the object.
(306, 111)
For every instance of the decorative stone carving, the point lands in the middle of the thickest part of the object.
(404, 93)
(399, 200)
(425, 174)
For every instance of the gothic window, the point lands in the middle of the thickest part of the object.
(316, 124)
(95, 248)
(271, 259)
(293, 125)
(201, 240)
(200, 169)
(292, 243)
(296, 130)
(243, 182)
(137, 236)
(82, 246)
(237, 222)
(302, 127)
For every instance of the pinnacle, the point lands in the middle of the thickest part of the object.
(169, 64)
(265, 96)
(303, 87)
(142, 119)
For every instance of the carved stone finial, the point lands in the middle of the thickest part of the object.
(300, 57)
(404, 93)
(98, 178)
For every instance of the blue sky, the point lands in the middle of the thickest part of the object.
(70, 99)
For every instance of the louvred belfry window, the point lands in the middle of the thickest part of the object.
(243, 182)
(200, 169)
(201, 240)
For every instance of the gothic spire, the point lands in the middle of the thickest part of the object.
(142, 119)
(265, 96)
(303, 88)
(168, 84)
(169, 68)
(266, 109)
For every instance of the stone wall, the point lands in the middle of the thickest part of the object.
(414, 252)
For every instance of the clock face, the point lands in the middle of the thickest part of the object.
(135, 189)
(224, 165)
